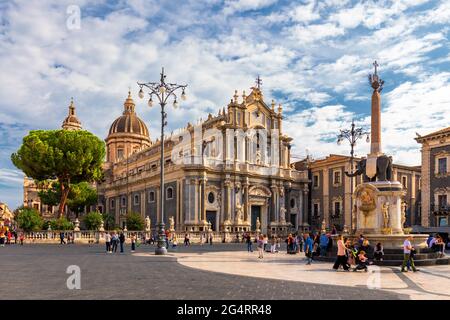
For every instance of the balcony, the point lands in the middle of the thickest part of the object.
(440, 210)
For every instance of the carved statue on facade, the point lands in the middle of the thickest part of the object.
(283, 214)
(171, 224)
(258, 157)
(147, 224)
(403, 213)
(324, 226)
(239, 213)
(258, 225)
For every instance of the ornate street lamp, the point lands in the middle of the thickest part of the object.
(352, 135)
(163, 92)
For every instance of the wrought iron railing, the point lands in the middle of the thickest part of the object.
(440, 209)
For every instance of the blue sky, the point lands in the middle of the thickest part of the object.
(313, 57)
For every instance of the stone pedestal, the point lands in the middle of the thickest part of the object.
(379, 214)
(378, 207)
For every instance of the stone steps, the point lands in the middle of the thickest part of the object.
(398, 262)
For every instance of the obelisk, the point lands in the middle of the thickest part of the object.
(377, 85)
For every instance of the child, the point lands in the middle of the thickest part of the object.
(362, 261)
(379, 253)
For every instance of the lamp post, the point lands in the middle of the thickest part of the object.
(162, 91)
(352, 135)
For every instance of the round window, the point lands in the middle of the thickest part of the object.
(211, 197)
(292, 203)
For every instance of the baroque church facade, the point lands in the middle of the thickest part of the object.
(230, 172)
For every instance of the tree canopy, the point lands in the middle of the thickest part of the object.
(29, 219)
(135, 222)
(69, 156)
(92, 220)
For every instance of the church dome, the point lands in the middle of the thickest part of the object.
(71, 122)
(129, 122)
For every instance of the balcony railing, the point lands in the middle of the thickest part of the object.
(440, 209)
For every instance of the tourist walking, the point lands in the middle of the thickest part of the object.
(278, 245)
(248, 239)
(21, 237)
(174, 241)
(341, 259)
(260, 245)
(186, 240)
(2, 238)
(300, 242)
(133, 242)
(407, 248)
(323, 242)
(61, 237)
(210, 239)
(108, 242)
(122, 241)
(273, 243)
(114, 241)
(308, 248)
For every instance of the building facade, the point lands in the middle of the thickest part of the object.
(230, 172)
(435, 183)
(331, 191)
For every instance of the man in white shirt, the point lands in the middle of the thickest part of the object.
(407, 255)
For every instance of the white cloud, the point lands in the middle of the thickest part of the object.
(231, 6)
(308, 54)
(8, 176)
(314, 32)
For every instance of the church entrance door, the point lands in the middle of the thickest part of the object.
(256, 213)
(211, 216)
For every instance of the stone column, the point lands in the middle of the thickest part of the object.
(375, 129)
(227, 185)
(326, 196)
(425, 187)
(246, 202)
(129, 202)
(143, 204)
(273, 204)
(202, 199)
(305, 205)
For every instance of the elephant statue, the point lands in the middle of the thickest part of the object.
(384, 169)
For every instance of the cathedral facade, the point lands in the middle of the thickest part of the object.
(230, 172)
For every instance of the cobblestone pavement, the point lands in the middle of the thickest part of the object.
(39, 272)
(431, 282)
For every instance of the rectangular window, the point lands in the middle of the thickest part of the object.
(405, 182)
(316, 181)
(337, 208)
(316, 209)
(442, 166)
(337, 177)
(443, 222)
(136, 199)
(239, 118)
(151, 196)
(113, 203)
(124, 202)
(442, 200)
